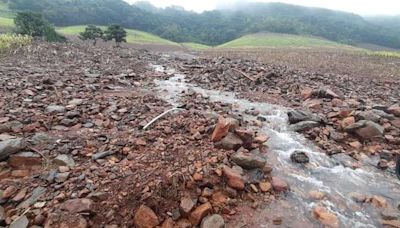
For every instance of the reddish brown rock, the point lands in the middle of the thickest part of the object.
(246, 136)
(20, 173)
(265, 186)
(306, 93)
(168, 223)
(186, 206)
(9, 192)
(222, 128)
(199, 213)
(313, 104)
(235, 180)
(378, 201)
(20, 195)
(391, 223)
(145, 218)
(219, 198)
(24, 160)
(316, 195)
(347, 122)
(279, 185)
(394, 109)
(325, 217)
(78, 205)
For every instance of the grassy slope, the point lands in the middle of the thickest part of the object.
(6, 16)
(134, 36)
(195, 46)
(6, 22)
(280, 41)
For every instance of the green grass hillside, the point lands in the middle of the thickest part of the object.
(134, 36)
(195, 46)
(6, 22)
(280, 41)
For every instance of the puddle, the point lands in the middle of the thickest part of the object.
(325, 174)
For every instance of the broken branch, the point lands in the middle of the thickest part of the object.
(245, 75)
(160, 116)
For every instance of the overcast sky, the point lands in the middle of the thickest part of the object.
(363, 7)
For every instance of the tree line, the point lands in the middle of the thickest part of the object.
(33, 25)
(218, 26)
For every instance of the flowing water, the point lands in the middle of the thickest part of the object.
(325, 174)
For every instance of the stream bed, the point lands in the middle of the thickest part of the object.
(329, 175)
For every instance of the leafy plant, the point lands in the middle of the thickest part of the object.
(10, 41)
(116, 33)
(91, 32)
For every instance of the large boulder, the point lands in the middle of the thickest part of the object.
(249, 160)
(297, 116)
(366, 129)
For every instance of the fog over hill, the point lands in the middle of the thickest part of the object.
(217, 26)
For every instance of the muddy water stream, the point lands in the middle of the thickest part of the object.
(329, 175)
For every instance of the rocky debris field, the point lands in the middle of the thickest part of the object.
(74, 152)
(341, 113)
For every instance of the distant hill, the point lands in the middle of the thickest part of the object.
(390, 22)
(218, 26)
(273, 40)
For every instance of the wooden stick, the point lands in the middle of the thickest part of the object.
(245, 75)
(160, 116)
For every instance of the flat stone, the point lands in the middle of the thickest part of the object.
(229, 142)
(24, 159)
(64, 160)
(36, 194)
(101, 155)
(249, 160)
(51, 109)
(213, 221)
(300, 116)
(78, 205)
(11, 146)
(325, 217)
(62, 177)
(305, 125)
(21, 222)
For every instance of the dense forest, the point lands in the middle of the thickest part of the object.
(218, 26)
